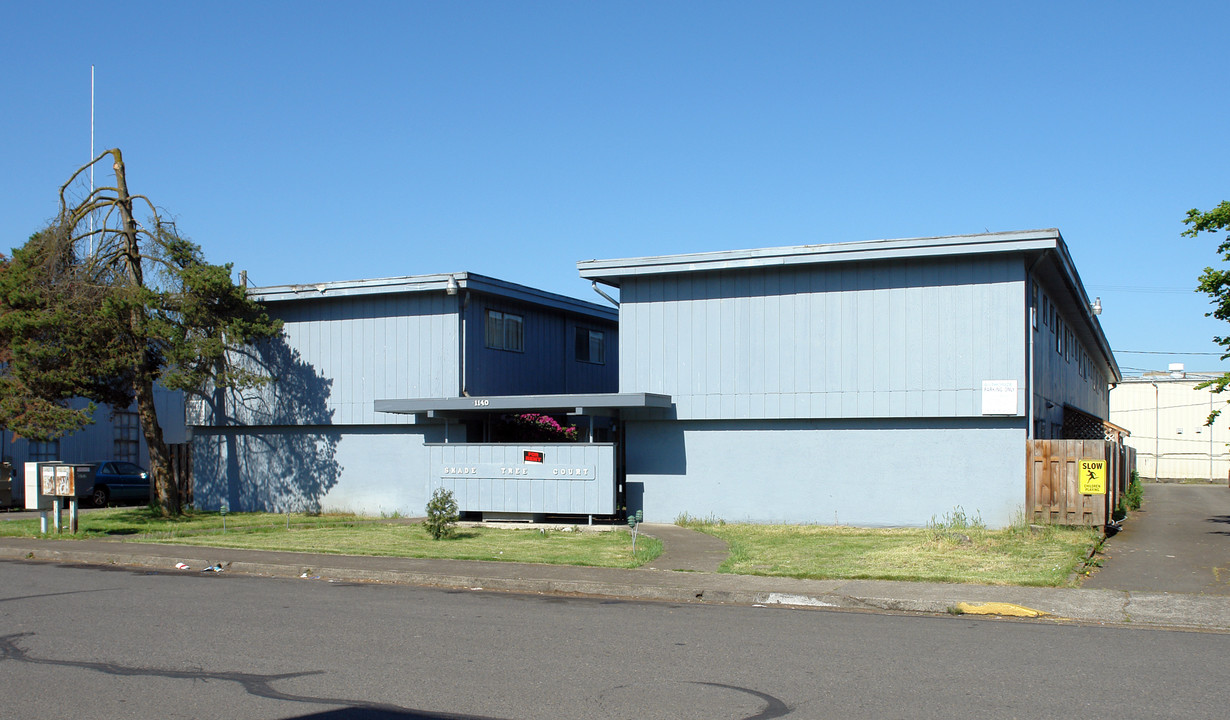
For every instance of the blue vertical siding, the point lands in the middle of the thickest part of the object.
(548, 364)
(851, 340)
(95, 443)
(338, 355)
(1057, 378)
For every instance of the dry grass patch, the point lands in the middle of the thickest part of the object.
(969, 554)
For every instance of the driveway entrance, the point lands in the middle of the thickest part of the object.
(1180, 543)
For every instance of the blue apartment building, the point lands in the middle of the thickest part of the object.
(866, 383)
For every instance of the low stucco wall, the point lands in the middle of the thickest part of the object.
(367, 470)
(859, 472)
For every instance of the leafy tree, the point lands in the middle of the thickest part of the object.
(104, 310)
(56, 343)
(1213, 282)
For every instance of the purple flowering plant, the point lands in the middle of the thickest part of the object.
(534, 427)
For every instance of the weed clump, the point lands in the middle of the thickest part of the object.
(1135, 492)
(956, 526)
(687, 520)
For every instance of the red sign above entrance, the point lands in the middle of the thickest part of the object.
(533, 456)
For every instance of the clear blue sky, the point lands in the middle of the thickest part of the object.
(311, 141)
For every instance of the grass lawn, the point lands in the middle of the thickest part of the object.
(948, 552)
(553, 547)
(356, 535)
(1015, 556)
(116, 522)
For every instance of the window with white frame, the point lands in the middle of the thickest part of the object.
(127, 436)
(591, 346)
(44, 451)
(505, 331)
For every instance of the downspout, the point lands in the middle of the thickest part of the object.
(1157, 433)
(463, 302)
(611, 300)
(462, 309)
(1031, 328)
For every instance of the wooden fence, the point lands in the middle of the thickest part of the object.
(1052, 493)
(181, 470)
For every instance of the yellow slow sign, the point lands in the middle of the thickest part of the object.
(1093, 477)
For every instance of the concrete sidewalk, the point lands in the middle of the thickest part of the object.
(686, 550)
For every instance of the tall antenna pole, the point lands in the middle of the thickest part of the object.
(91, 243)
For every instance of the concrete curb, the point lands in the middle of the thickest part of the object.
(672, 593)
(1158, 610)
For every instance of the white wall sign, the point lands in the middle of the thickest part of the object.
(999, 397)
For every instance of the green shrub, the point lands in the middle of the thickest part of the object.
(441, 514)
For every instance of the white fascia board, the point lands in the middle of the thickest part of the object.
(610, 271)
(350, 288)
(534, 296)
(434, 283)
(1064, 260)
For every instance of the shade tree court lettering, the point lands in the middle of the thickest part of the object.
(537, 472)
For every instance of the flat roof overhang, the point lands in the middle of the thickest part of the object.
(597, 404)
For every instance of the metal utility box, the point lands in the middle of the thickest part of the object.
(6, 484)
(46, 481)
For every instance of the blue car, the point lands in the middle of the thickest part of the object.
(118, 480)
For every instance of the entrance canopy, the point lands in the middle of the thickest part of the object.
(592, 404)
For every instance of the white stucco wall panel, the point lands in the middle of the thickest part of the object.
(864, 473)
(365, 470)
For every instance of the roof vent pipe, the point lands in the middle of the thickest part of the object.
(594, 285)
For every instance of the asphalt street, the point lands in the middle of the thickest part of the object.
(103, 642)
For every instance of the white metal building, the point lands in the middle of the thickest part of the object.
(1167, 412)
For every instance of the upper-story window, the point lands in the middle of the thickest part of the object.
(505, 331)
(591, 346)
